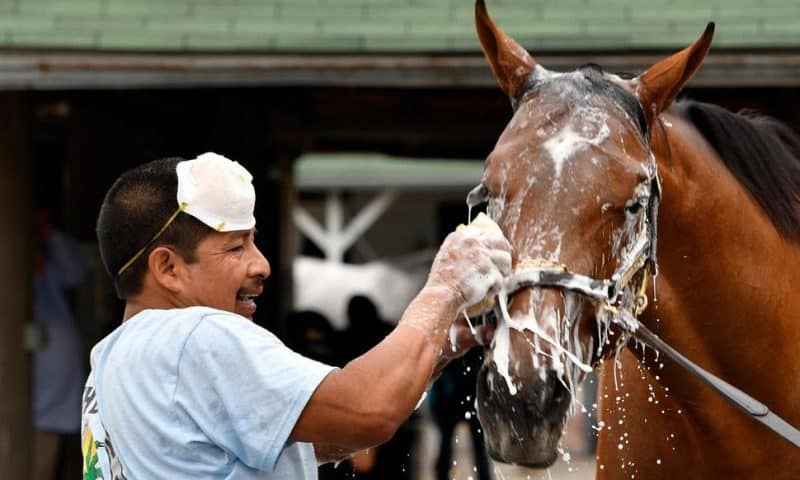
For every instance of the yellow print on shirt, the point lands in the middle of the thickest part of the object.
(91, 470)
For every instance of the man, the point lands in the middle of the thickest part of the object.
(189, 387)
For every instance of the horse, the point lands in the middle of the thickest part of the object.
(592, 172)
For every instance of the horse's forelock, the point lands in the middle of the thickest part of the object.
(598, 84)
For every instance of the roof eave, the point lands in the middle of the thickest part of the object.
(44, 70)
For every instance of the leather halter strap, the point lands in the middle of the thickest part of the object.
(757, 410)
(605, 292)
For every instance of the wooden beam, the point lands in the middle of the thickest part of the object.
(95, 70)
(308, 226)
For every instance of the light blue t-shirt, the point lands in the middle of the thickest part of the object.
(196, 393)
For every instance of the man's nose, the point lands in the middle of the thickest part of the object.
(258, 266)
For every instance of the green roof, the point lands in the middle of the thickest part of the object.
(346, 26)
(357, 171)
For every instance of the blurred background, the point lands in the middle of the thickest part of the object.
(364, 122)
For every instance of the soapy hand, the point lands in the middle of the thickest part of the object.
(472, 261)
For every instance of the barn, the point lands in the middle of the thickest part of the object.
(89, 88)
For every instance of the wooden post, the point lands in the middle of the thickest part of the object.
(15, 291)
(273, 184)
(285, 259)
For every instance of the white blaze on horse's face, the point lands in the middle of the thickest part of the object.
(562, 180)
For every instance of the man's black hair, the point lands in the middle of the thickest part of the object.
(135, 208)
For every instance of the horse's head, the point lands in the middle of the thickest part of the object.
(572, 182)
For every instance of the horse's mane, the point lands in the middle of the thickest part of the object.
(761, 152)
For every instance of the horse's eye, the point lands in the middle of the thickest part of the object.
(635, 206)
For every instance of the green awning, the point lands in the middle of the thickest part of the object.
(354, 171)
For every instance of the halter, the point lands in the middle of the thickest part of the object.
(640, 260)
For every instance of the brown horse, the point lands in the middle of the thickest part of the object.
(574, 182)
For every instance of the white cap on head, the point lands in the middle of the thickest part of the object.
(218, 192)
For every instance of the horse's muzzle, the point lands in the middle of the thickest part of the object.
(523, 428)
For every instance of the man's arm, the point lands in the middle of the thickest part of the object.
(363, 404)
(460, 340)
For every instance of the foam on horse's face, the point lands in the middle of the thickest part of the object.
(560, 177)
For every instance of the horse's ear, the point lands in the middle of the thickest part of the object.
(660, 84)
(510, 63)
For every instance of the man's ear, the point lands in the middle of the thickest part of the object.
(166, 268)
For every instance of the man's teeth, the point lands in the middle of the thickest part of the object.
(246, 297)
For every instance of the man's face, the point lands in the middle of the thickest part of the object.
(228, 273)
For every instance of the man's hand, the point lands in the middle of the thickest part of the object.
(472, 262)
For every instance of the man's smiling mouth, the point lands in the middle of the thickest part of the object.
(246, 303)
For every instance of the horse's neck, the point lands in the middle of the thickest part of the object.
(726, 298)
(727, 286)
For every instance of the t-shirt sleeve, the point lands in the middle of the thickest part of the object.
(244, 388)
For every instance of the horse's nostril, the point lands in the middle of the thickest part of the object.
(559, 403)
(484, 385)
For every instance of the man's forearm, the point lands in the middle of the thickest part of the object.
(401, 364)
(361, 404)
(432, 313)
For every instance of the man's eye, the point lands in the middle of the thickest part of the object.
(237, 248)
